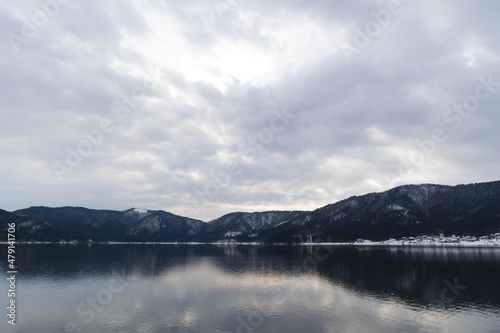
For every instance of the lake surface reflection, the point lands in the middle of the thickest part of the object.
(209, 288)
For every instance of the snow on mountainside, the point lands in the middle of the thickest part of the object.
(148, 226)
(247, 223)
(166, 226)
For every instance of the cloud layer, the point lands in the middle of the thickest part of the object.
(201, 108)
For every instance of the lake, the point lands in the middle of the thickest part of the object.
(216, 288)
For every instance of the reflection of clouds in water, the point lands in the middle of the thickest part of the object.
(202, 298)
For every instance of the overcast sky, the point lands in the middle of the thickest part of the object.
(202, 108)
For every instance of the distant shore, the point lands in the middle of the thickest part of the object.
(397, 243)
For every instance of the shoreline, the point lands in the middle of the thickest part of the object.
(477, 244)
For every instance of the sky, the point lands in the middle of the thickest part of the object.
(202, 108)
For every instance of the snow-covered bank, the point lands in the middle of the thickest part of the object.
(464, 241)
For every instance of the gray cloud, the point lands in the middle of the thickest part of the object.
(212, 79)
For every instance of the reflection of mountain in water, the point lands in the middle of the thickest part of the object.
(418, 274)
(413, 274)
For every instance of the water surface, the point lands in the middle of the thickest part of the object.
(209, 288)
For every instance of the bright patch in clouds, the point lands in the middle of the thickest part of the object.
(215, 78)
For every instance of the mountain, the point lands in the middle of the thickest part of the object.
(408, 210)
(157, 225)
(246, 226)
(130, 225)
(32, 227)
(6, 217)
